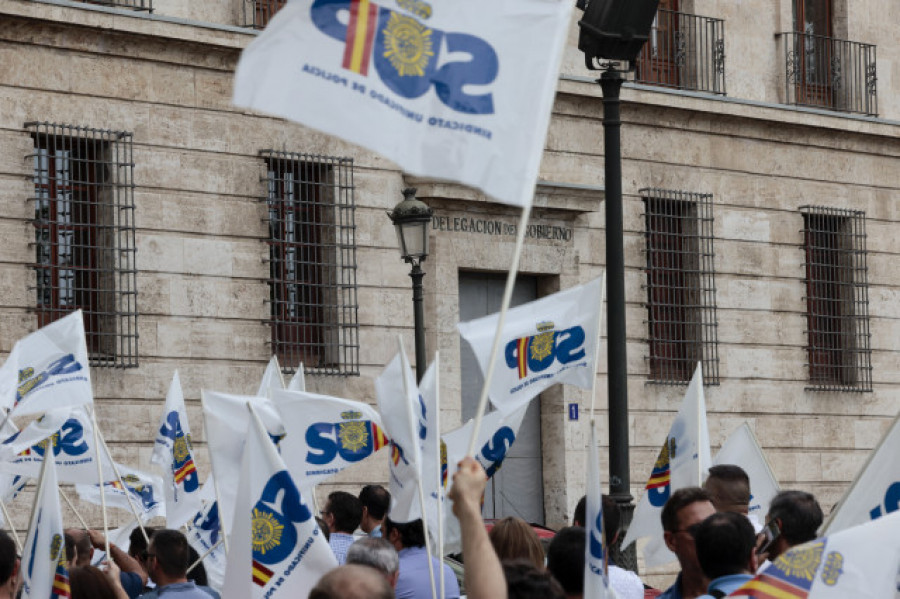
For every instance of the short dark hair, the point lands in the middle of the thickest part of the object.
(724, 544)
(198, 572)
(799, 513)
(347, 511)
(525, 581)
(565, 559)
(580, 508)
(612, 519)
(7, 557)
(412, 534)
(83, 546)
(138, 544)
(736, 484)
(376, 499)
(70, 548)
(170, 548)
(679, 500)
(88, 582)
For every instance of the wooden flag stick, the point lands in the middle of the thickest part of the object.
(124, 489)
(12, 528)
(440, 480)
(202, 557)
(597, 337)
(100, 480)
(72, 507)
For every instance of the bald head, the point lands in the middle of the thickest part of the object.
(352, 582)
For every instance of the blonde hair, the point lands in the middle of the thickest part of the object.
(513, 538)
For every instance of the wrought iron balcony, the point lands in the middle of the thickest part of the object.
(258, 13)
(830, 73)
(684, 52)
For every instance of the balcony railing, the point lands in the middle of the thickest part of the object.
(258, 13)
(132, 4)
(684, 52)
(829, 73)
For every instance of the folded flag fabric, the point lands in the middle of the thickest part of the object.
(596, 578)
(143, 490)
(271, 380)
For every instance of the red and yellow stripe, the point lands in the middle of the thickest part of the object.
(767, 587)
(522, 348)
(360, 36)
(261, 574)
(185, 470)
(658, 480)
(61, 586)
(379, 438)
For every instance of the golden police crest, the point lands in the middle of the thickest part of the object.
(266, 531)
(801, 563)
(353, 435)
(181, 450)
(542, 343)
(55, 546)
(408, 45)
(832, 569)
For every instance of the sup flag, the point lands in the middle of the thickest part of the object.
(275, 547)
(547, 341)
(145, 491)
(48, 369)
(271, 380)
(860, 562)
(742, 449)
(683, 462)
(174, 453)
(440, 88)
(876, 489)
(203, 533)
(596, 578)
(325, 434)
(70, 433)
(226, 428)
(43, 563)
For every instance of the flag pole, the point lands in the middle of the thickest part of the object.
(72, 507)
(215, 480)
(404, 368)
(597, 336)
(700, 418)
(124, 489)
(48, 452)
(12, 528)
(440, 480)
(203, 557)
(100, 481)
(501, 320)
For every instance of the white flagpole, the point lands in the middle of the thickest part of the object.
(507, 297)
(597, 336)
(12, 528)
(203, 557)
(124, 488)
(700, 427)
(440, 490)
(100, 480)
(72, 507)
(215, 482)
(410, 416)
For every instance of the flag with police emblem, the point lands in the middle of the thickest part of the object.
(275, 547)
(406, 423)
(440, 88)
(683, 462)
(544, 342)
(226, 429)
(862, 562)
(325, 434)
(271, 380)
(141, 493)
(70, 433)
(204, 533)
(43, 564)
(596, 579)
(175, 454)
(48, 369)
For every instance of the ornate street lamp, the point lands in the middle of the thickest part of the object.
(411, 218)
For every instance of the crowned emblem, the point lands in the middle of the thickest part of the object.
(55, 546)
(542, 343)
(832, 569)
(353, 435)
(266, 531)
(801, 563)
(181, 450)
(408, 45)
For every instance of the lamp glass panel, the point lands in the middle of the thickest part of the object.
(415, 239)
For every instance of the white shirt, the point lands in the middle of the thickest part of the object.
(625, 583)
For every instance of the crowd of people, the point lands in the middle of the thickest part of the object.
(719, 547)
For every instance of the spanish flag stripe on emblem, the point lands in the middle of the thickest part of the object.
(658, 481)
(522, 347)
(360, 36)
(182, 472)
(261, 574)
(766, 587)
(379, 438)
(61, 586)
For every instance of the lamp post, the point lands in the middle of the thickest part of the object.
(411, 218)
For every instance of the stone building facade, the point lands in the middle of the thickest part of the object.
(778, 163)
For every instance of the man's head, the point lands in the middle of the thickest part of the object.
(798, 516)
(409, 534)
(83, 548)
(684, 509)
(565, 559)
(352, 581)
(342, 513)
(375, 500)
(725, 544)
(729, 487)
(376, 553)
(580, 509)
(525, 581)
(9, 562)
(167, 557)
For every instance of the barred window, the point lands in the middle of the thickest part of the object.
(84, 235)
(132, 4)
(681, 302)
(258, 13)
(312, 251)
(837, 300)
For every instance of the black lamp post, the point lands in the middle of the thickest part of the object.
(411, 218)
(615, 31)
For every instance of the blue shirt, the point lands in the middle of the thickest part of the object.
(414, 581)
(132, 583)
(674, 591)
(340, 542)
(181, 590)
(726, 584)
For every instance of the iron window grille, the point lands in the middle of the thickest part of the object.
(258, 13)
(681, 292)
(837, 300)
(312, 253)
(684, 51)
(85, 236)
(132, 4)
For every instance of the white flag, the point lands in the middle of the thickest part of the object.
(432, 465)
(271, 380)
(43, 563)
(204, 532)
(275, 547)
(10, 484)
(399, 402)
(451, 90)
(742, 449)
(596, 579)
(876, 489)
(145, 491)
(71, 434)
(859, 562)
(682, 462)
(547, 341)
(298, 381)
(227, 422)
(325, 434)
(174, 452)
(48, 369)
